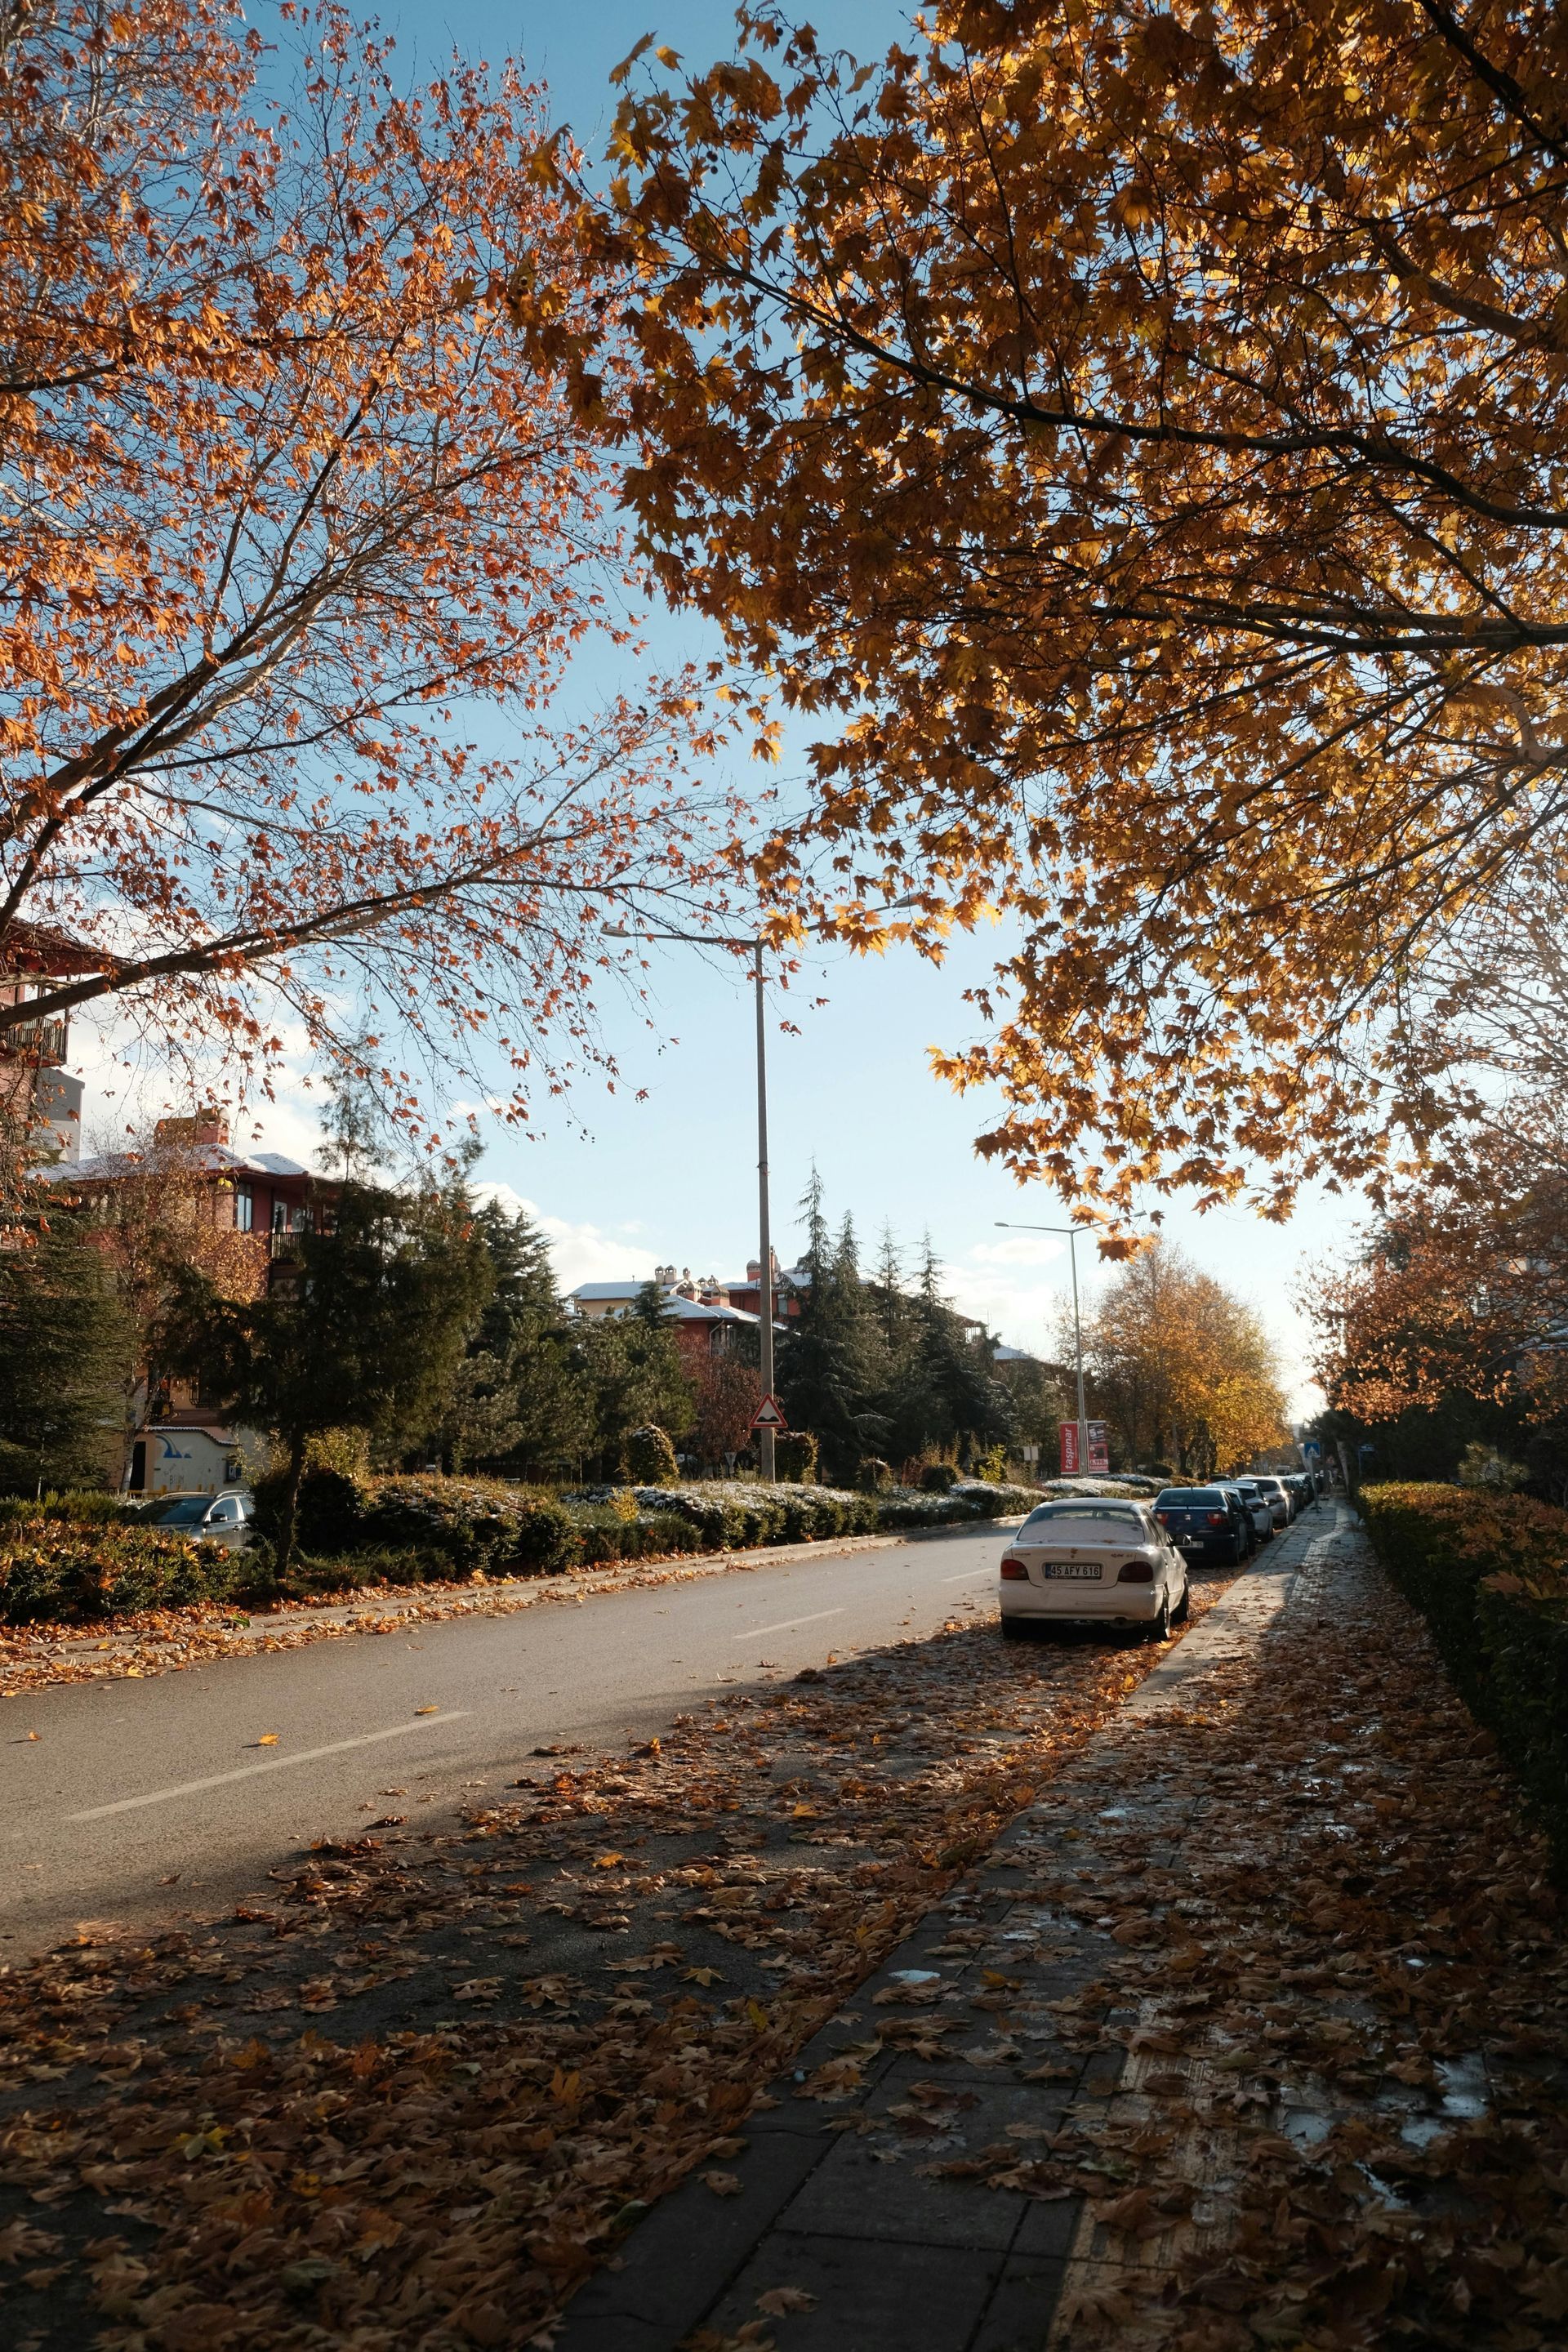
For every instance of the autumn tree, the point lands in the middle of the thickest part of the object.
(1182, 1370)
(1131, 435)
(1446, 1328)
(728, 1394)
(306, 509)
(162, 1203)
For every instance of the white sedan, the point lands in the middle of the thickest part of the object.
(1093, 1560)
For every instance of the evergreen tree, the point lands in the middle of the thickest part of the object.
(66, 1351)
(367, 1333)
(826, 1370)
(634, 1364)
(944, 1394)
(525, 1399)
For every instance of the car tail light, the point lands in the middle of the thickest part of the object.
(1216, 1518)
(1163, 1517)
(1015, 1573)
(1135, 1571)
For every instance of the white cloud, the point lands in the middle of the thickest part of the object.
(1018, 1249)
(579, 1253)
(1023, 1314)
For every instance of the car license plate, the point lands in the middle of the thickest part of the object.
(1075, 1568)
(1190, 1543)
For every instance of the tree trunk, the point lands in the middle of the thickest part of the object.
(289, 1517)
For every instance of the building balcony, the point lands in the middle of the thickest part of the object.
(43, 1042)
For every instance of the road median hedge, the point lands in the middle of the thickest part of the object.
(52, 1572)
(489, 1527)
(1489, 1571)
(83, 1560)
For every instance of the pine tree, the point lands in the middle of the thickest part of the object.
(529, 1396)
(66, 1352)
(945, 1395)
(826, 1368)
(635, 1366)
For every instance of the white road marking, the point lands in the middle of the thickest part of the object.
(755, 1633)
(969, 1576)
(273, 1764)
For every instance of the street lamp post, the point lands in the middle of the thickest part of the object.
(1071, 1233)
(767, 1462)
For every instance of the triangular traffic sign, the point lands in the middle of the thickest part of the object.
(768, 1415)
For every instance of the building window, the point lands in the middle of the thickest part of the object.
(244, 1209)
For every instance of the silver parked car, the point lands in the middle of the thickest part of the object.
(1254, 1504)
(1095, 1560)
(1274, 1494)
(224, 1519)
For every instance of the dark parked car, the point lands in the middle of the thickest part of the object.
(1205, 1523)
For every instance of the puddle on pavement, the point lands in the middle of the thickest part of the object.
(1465, 2090)
(1305, 2127)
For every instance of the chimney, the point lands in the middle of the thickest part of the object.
(196, 1128)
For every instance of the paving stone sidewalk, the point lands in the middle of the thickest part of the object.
(833, 2197)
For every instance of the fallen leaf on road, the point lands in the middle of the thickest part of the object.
(778, 2300)
(268, 1739)
(722, 2184)
(426, 1710)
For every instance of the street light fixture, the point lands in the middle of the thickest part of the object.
(1072, 1233)
(767, 1461)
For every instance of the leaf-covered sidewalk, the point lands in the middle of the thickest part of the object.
(1274, 1987)
(414, 2088)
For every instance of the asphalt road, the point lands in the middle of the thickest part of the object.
(141, 1802)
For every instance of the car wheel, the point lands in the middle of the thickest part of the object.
(1184, 1608)
(1014, 1629)
(1160, 1630)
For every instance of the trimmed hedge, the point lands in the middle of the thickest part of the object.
(464, 1526)
(1489, 1571)
(61, 1565)
(50, 1571)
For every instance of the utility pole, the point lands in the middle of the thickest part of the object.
(1071, 1231)
(767, 1461)
(766, 1458)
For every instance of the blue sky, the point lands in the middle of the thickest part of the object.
(622, 1184)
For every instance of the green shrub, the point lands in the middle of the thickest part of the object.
(874, 1476)
(937, 1478)
(794, 1457)
(53, 1571)
(1489, 1570)
(312, 1576)
(80, 1507)
(332, 1506)
(650, 1457)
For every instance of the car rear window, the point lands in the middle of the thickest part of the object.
(1190, 1498)
(1119, 1515)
